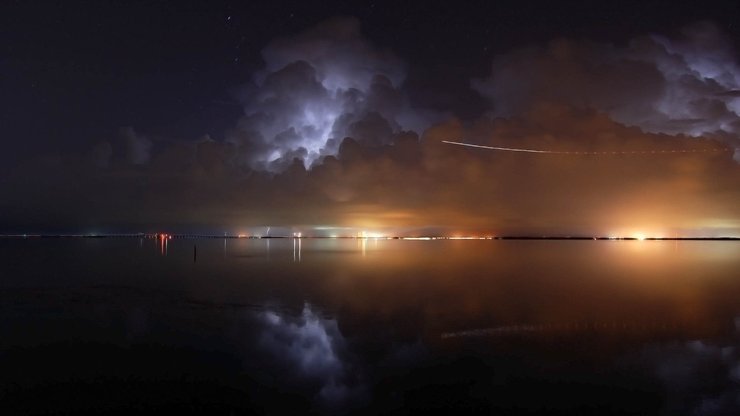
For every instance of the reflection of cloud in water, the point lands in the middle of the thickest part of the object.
(700, 378)
(312, 346)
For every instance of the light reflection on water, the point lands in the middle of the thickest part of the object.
(647, 327)
(311, 347)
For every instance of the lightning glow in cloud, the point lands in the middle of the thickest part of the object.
(317, 88)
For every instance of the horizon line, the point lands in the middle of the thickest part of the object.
(390, 237)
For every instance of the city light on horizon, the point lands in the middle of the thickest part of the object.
(401, 233)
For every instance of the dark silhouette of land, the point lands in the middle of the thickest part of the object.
(431, 237)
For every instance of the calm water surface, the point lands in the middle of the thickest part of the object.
(365, 326)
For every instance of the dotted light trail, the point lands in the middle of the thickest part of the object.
(559, 152)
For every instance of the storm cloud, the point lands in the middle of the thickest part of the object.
(318, 87)
(329, 137)
(686, 85)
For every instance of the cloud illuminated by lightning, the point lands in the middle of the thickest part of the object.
(319, 87)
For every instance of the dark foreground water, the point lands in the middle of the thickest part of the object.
(364, 326)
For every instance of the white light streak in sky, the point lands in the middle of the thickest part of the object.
(562, 152)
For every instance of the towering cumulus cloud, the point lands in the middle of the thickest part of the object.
(638, 139)
(317, 88)
(689, 85)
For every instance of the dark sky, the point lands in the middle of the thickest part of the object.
(77, 74)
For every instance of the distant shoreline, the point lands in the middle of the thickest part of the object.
(424, 238)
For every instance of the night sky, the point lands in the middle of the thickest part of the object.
(221, 116)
